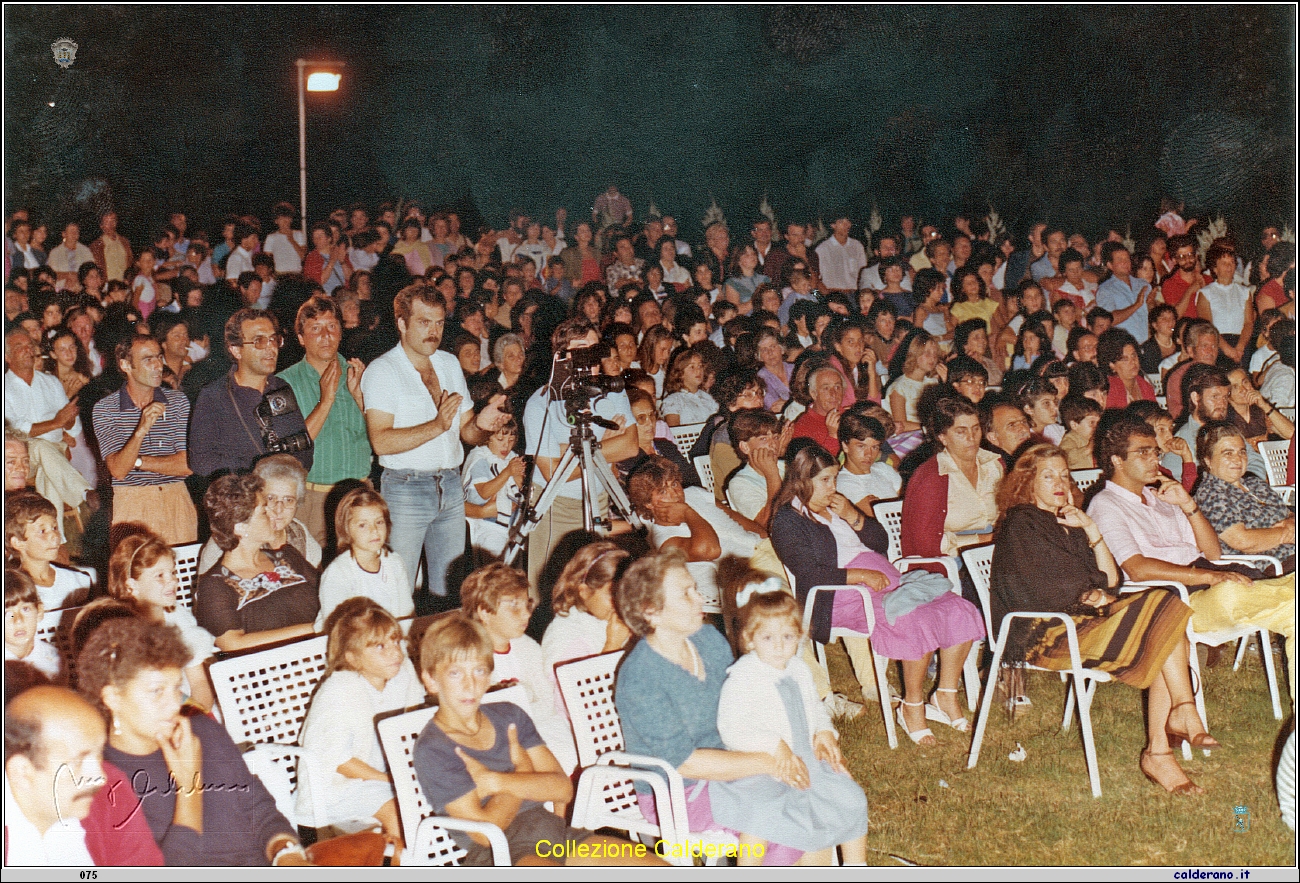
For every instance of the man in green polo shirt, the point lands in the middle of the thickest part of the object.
(333, 408)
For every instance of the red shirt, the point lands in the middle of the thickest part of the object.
(1173, 289)
(812, 425)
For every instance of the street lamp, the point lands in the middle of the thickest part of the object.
(324, 77)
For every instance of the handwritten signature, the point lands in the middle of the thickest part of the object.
(141, 787)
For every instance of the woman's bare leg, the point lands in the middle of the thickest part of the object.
(820, 859)
(914, 671)
(951, 660)
(746, 857)
(855, 851)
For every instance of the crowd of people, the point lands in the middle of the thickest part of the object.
(352, 417)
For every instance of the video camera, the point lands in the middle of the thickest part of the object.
(577, 379)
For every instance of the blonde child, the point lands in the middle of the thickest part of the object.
(497, 596)
(23, 613)
(487, 762)
(492, 476)
(142, 575)
(32, 542)
(365, 566)
(368, 673)
(769, 704)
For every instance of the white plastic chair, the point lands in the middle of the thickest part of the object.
(1082, 681)
(685, 437)
(970, 671)
(55, 628)
(1274, 454)
(1085, 478)
(890, 515)
(606, 797)
(264, 697)
(704, 469)
(431, 844)
(187, 563)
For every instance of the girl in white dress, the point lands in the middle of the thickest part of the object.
(769, 704)
(142, 575)
(365, 565)
(369, 672)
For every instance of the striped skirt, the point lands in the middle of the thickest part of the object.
(1130, 643)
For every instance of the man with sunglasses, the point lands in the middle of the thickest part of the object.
(250, 412)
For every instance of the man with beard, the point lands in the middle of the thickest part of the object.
(1206, 393)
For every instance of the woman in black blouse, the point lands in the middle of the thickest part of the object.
(1139, 638)
(254, 595)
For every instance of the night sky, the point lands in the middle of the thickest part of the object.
(1082, 116)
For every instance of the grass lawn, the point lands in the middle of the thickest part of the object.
(1041, 811)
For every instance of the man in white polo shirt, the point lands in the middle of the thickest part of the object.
(418, 410)
(546, 436)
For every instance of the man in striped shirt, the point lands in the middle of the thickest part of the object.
(141, 432)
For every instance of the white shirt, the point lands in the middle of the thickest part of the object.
(1227, 305)
(392, 385)
(882, 481)
(733, 539)
(482, 465)
(390, 588)
(44, 657)
(751, 715)
(64, 844)
(546, 431)
(240, 261)
(286, 256)
(27, 405)
(840, 264)
(747, 489)
(870, 278)
(691, 407)
(523, 663)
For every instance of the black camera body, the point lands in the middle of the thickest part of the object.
(277, 408)
(576, 378)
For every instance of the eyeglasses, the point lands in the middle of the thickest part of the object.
(264, 341)
(1148, 453)
(516, 605)
(281, 502)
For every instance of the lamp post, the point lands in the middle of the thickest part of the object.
(326, 79)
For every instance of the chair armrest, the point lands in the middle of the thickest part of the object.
(650, 769)
(1071, 635)
(948, 562)
(669, 821)
(862, 591)
(1256, 561)
(426, 834)
(1130, 586)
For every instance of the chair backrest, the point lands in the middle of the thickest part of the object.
(187, 563)
(55, 628)
(685, 437)
(587, 686)
(890, 514)
(1085, 478)
(1274, 453)
(264, 696)
(397, 736)
(704, 469)
(979, 563)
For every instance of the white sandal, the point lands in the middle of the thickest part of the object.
(934, 713)
(915, 735)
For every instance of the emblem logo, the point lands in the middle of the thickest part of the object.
(65, 52)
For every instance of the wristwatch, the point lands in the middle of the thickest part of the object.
(139, 463)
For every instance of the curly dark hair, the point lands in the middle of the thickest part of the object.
(231, 500)
(122, 648)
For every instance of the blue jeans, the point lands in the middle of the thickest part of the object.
(427, 510)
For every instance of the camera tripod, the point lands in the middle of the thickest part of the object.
(584, 451)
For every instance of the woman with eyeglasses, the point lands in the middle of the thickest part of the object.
(286, 487)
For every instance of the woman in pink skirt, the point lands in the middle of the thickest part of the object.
(825, 540)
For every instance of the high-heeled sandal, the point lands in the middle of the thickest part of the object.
(1186, 789)
(1202, 740)
(934, 713)
(915, 735)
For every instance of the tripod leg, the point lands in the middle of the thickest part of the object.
(527, 523)
(617, 498)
